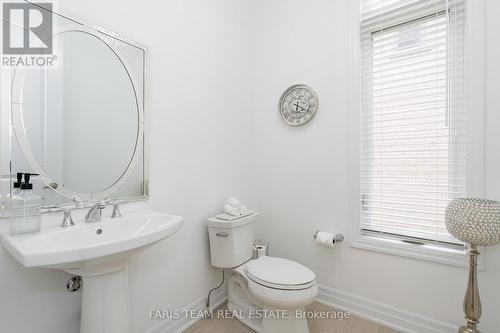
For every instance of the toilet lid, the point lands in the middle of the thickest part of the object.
(280, 273)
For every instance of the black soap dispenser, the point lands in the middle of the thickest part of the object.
(25, 209)
(16, 186)
(27, 185)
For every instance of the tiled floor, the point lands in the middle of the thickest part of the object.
(354, 324)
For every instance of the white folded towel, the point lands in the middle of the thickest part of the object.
(235, 211)
(233, 202)
(234, 207)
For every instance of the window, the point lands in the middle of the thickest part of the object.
(413, 116)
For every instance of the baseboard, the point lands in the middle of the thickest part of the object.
(401, 320)
(180, 325)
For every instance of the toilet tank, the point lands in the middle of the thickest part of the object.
(231, 242)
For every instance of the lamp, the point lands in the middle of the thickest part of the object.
(476, 222)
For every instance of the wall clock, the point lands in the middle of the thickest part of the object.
(298, 105)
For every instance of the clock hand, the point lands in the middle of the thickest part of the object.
(296, 106)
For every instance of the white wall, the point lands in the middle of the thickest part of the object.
(35, 300)
(489, 282)
(304, 173)
(200, 129)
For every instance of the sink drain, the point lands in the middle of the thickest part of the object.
(98, 231)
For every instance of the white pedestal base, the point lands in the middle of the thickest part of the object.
(106, 303)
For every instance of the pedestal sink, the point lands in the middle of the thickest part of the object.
(98, 252)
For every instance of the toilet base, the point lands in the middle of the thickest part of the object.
(238, 301)
(255, 316)
(253, 323)
(272, 324)
(291, 324)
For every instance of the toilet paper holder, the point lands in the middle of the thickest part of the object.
(338, 237)
(259, 249)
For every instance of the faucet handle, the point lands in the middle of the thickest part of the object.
(116, 209)
(67, 218)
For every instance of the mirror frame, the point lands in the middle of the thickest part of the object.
(18, 129)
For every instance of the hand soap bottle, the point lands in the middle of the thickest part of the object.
(25, 209)
(16, 189)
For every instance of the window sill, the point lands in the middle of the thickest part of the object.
(432, 253)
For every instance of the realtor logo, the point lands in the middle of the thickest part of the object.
(27, 28)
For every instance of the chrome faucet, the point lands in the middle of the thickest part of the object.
(95, 213)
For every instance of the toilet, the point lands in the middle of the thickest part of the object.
(267, 294)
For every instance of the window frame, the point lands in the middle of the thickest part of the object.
(474, 99)
(453, 244)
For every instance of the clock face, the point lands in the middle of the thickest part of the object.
(298, 105)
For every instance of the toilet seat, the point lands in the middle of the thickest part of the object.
(279, 273)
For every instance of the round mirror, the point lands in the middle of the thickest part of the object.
(79, 123)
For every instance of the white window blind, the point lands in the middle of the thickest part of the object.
(413, 116)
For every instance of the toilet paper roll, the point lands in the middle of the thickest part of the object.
(327, 239)
(259, 251)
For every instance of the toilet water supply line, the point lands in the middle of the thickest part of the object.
(214, 289)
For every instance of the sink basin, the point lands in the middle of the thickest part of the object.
(99, 253)
(90, 244)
